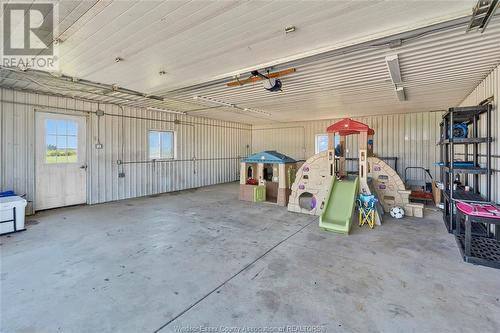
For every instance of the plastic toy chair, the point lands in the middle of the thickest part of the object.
(366, 206)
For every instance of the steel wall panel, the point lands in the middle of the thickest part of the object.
(216, 146)
(410, 137)
(489, 87)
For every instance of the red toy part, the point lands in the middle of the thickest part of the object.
(347, 126)
(252, 181)
(421, 195)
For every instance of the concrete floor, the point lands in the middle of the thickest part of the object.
(201, 259)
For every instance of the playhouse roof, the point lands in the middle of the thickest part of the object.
(347, 126)
(268, 156)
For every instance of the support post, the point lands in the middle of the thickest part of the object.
(363, 162)
(370, 146)
(260, 171)
(331, 153)
(282, 176)
(342, 164)
(243, 173)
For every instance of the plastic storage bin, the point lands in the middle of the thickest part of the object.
(12, 214)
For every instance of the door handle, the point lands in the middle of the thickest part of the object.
(83, 167)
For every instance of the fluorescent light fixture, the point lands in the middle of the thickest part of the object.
(482, 13)
(229, 105)
(400, 91)
(165, 110)
(215, 101)
(257, 111)
(392, 62)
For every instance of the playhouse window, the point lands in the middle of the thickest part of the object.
(250, 172)
(268, 172)
(321, 142)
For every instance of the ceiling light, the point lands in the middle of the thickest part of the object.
(229, 105)
(162, 72)
(215, 101)
(482, 13)
(289, 29)
(257, 111)
(392, 62)
(400, 92)
(118, 59)
(165, 110)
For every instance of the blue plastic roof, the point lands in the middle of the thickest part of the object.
(268, 156)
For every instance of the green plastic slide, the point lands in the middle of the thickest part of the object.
(337, 215)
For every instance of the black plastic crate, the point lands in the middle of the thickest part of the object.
(484, 251)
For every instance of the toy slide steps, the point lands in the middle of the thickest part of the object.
(337, 215)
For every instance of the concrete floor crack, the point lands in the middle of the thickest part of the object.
(233, 276)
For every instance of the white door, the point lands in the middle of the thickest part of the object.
(61, 169)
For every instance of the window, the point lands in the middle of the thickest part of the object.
(321, 142)
(268, 172)
(161, 145)
(250, 172)
(61, 141)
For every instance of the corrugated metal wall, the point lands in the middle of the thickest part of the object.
(410, 137)
(216, 146)
(489, 87)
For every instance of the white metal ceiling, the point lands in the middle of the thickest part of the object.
(438, 71)
(197, 41)
(205, 40)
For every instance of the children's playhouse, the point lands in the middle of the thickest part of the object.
(323, 188)
(267, 176)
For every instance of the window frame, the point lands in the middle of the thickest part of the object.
(174, 144)
(66, 136)
(336, 140)
(316, 145)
